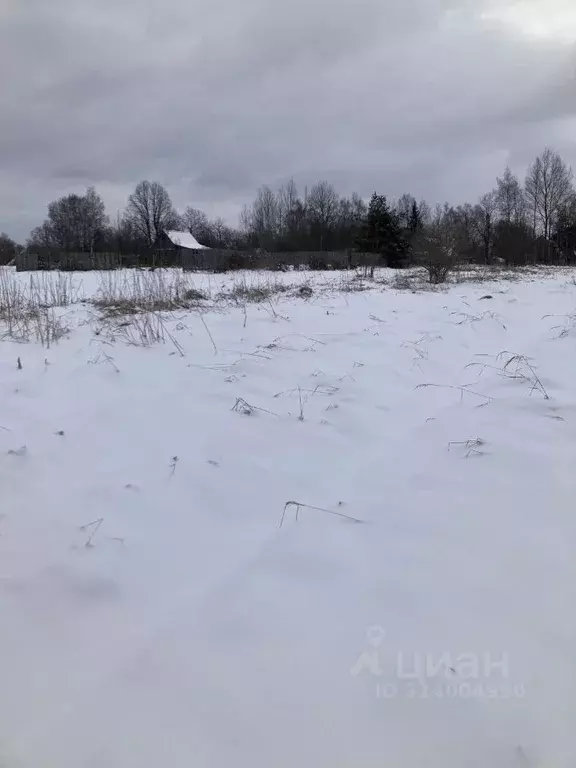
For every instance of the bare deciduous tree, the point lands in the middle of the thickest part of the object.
(94, 220)
(404, 208)
(548, 189)
(322, 211)
(283, 221)
(287, 199)
(425, 213)
(74, 223)
(532, 193)
(510, 199)
(359, 207)
(150, 210)
(197, 223)
(483, 223)
(261, 220)
(222, 236)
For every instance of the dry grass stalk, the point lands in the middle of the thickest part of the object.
(244, 407)
(299, 506)
(464, 390)
(95, 525)
(516, 367)
(472, 447)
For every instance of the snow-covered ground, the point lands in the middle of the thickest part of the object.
(161, 604)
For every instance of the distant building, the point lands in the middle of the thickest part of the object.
(182, 248)
(185, 240)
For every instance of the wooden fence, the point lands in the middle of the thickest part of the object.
(45, 260)
(212, 260)
(217, 260)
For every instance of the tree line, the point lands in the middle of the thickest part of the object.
(518, 221)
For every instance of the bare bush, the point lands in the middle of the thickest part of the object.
(438, 271)
(436, 253)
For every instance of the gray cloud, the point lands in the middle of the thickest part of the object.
(216, 97)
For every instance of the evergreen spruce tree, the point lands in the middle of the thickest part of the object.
(380, 233)
(416, 225)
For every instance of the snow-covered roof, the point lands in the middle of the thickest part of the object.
(185, 240)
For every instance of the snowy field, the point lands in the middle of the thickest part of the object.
(332, 529)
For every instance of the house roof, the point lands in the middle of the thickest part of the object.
(185, 240)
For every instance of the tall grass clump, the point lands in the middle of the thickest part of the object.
(139, 291)
(28, 309)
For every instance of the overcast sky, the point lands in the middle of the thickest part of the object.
(214, 98)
